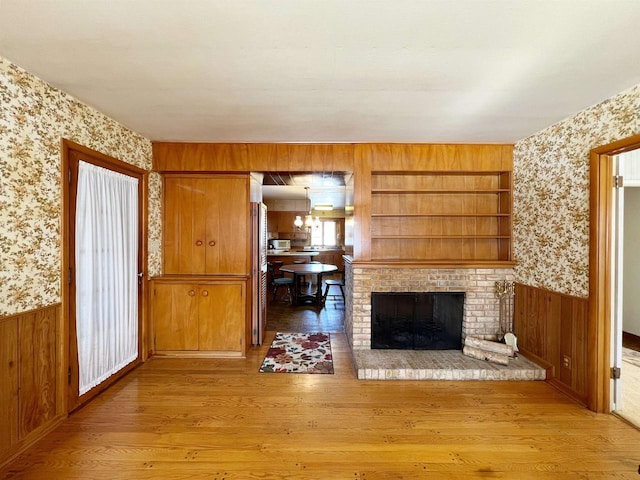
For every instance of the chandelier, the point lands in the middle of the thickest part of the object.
(308, 218)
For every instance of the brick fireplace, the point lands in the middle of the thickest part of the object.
(481, 318)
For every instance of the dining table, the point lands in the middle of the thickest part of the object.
(300, 270)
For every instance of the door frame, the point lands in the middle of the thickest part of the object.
(68, 185)
(601, 245)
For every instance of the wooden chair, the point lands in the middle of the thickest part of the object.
(334, 283)
(278, 281)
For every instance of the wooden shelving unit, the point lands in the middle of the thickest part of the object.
(456, 216)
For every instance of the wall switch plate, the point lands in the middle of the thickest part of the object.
(566, 361)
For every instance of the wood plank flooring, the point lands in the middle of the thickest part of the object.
(283, 317)
(220, 419)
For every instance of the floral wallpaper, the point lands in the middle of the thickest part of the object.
(154, 224)
(551, 193)
(33, 118)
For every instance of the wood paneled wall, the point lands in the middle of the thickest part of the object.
(552, 329)
(29, 390)
(265, 157)
(360, 158)
(247, 157)
(434, 157)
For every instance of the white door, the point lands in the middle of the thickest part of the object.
(617, 271)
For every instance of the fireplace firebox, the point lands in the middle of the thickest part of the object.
(417, 320)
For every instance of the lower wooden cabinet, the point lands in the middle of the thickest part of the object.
(206, 316)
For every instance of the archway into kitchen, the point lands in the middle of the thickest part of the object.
(309, 218)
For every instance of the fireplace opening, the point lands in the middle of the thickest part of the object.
(417, 320)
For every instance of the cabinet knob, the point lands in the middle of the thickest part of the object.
(205, 293)
(192, 293)
(199, 243)
(212, 243)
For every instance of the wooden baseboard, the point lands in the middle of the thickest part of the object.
(572, 394)
(197, 354)
(630, 340)
(552, 380)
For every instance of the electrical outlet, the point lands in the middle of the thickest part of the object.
(566, 361)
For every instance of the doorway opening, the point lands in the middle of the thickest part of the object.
(309, 219)
(103, 262)
(625, 340)
(606, 276)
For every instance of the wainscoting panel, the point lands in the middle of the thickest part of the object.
(37, 369)
(28, 408)
(552, 329)
(8, 383)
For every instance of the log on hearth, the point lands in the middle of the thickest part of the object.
(489, 346)
(480, 354)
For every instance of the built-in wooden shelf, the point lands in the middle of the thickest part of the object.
(436, 217)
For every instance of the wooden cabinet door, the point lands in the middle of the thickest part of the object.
(175, 314)
(184, 225)
(206, 225)
(227, 225)
(222, 317)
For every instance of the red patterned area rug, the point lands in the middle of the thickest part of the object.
(299, 353)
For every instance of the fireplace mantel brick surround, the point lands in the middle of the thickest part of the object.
(481, 319)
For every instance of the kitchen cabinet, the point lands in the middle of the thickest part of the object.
(331, 257)
(297, 238)
(206, 224)
(280, 224)
(199, 315)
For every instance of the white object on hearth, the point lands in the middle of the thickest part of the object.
(512, 340)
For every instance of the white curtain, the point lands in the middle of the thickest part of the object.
(106, 273)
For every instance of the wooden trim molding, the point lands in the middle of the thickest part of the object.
(600, 268)
(101, 159)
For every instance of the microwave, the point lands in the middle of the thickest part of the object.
(280, 244)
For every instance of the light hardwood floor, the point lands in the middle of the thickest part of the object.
(630, 386)
(221, 419)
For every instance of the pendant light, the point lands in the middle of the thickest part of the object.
(308, 219)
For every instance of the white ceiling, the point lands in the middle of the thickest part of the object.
(329, 70)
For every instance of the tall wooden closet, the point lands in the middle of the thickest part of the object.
(199, 304)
